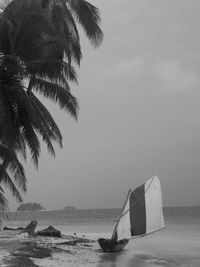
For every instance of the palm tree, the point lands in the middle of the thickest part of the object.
(22, 116)
(39, 41)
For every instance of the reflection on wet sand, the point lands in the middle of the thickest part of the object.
(150, 261)
(111, 259)
(22, 252)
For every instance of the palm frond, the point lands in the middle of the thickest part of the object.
(71, 34)
(69, 72)
(7, 181)
(20, 145)
(76, 53)
(3, 202)
(30, 26)
(22, 101)
(23, 117)
(89, 18)
(4, 4)
(47, 117)
(25, 43)
(53, 69)
(45, 129)
(65, 26)
(42, 127)
(14, 166)
(58, 94)
(8, 126)
(31, 139)
(1, 190)
(6, 30)
(18, 172)
(2, 151)
(39, 127)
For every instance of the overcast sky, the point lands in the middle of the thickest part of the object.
(139, 96)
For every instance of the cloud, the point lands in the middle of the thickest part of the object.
(173, 77)
(156, 74)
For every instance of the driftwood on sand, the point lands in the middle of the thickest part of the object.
(13, 229)
(50, 231)
(30, 228)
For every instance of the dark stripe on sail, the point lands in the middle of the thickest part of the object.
(138, 211)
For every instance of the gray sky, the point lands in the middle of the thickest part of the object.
(139, 111)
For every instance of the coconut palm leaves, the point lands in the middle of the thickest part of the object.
(24, 117)
(21, 115)
(12, 177)
(40, 52)
(64, 14)
(89, 18)
(39, 43)
(3, 202)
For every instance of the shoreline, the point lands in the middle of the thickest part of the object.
(177, 245)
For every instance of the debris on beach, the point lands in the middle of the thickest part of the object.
(12, 229)
(49, 238)
(75, 241)
(30, 228)
(50, 231)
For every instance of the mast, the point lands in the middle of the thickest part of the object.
(121, 215)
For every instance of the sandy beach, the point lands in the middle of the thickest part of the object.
(177, 245)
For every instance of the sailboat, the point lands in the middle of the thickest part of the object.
(142, 214)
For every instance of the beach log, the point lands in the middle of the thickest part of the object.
(50, 231)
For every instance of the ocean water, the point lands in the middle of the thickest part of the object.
(182, 215)
(75, 221)
(93, 220)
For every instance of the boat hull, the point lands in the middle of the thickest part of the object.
(110, 245)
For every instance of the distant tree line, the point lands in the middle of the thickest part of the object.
(69, 208)
(30, 207)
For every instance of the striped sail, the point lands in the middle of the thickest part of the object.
(142, 213)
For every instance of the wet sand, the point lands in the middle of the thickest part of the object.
(177, 245)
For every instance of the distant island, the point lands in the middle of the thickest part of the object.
(70, 208)
(30, 207)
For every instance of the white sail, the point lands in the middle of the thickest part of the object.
(153, 203)
(142, 213)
